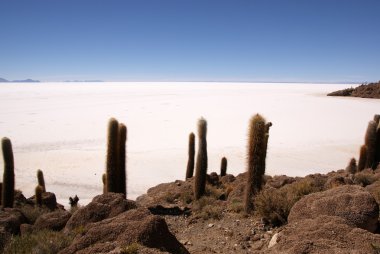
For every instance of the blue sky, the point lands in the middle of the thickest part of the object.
(190, 40)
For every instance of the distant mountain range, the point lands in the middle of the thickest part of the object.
(2, 80)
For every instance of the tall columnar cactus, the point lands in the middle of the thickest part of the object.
(41, 180)
(362, 158)
(377, 159)
(223, 166)
(121, 175)
(376, 118)
(112, 155)
(190, 162)
(256, 159)
(352, 167)
(201, 164)
(39, 190)
(370, 142)
(9, 176)
(104, 180)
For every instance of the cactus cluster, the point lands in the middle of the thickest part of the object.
(201, 163)
(190, 161)
(258, 134)
(115, 179)
(369, 156)
(8, 176)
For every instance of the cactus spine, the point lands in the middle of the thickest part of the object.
(39, 190)
(122, 138)
(9, 176)
(41, 180)
(223, 166)
(370, 142)
(112, 155)
(201, 164)
(362, 157)
(190, 162)
(257, 144)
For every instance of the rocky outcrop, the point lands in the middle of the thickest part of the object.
(350, 202)
(133, 226)
(11, 219)
(102, 207)
(53, 221)
(371, 90)
(324, 234)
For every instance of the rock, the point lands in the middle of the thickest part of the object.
(26, 229)
(349, 202)
(48, 199)
(227, 179)
(210, 225)
(324, 234)
(53, 221)
(279, 181)
(101, 207)
(336, 181)
(273, 241)
(133, 226)
(11, 219)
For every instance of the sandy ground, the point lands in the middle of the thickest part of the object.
(61, 129)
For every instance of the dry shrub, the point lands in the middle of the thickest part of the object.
(32, 212)
(207, 208)
(236, 205)
(41, 242)
(274, 204)
(365, 178)
(130, 249)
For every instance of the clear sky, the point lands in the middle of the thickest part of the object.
(190, 40)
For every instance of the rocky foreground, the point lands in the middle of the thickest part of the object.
(371, 90)
(333, 213)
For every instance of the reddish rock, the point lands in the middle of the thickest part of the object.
(53, 221)
(103, 206)
(324, 234)
(11, 219)
(133, 226)
(279, 181)
(350, 202)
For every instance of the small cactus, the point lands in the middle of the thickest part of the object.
(362, 158)
(352, 167)
(41, 180)
(257, 144)
(370, 142)
(376, 118)
(9, 176)
(201, 164)
(112, 155)
(39, 191)
(121, 175)
(223, 166)
(190, 162)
